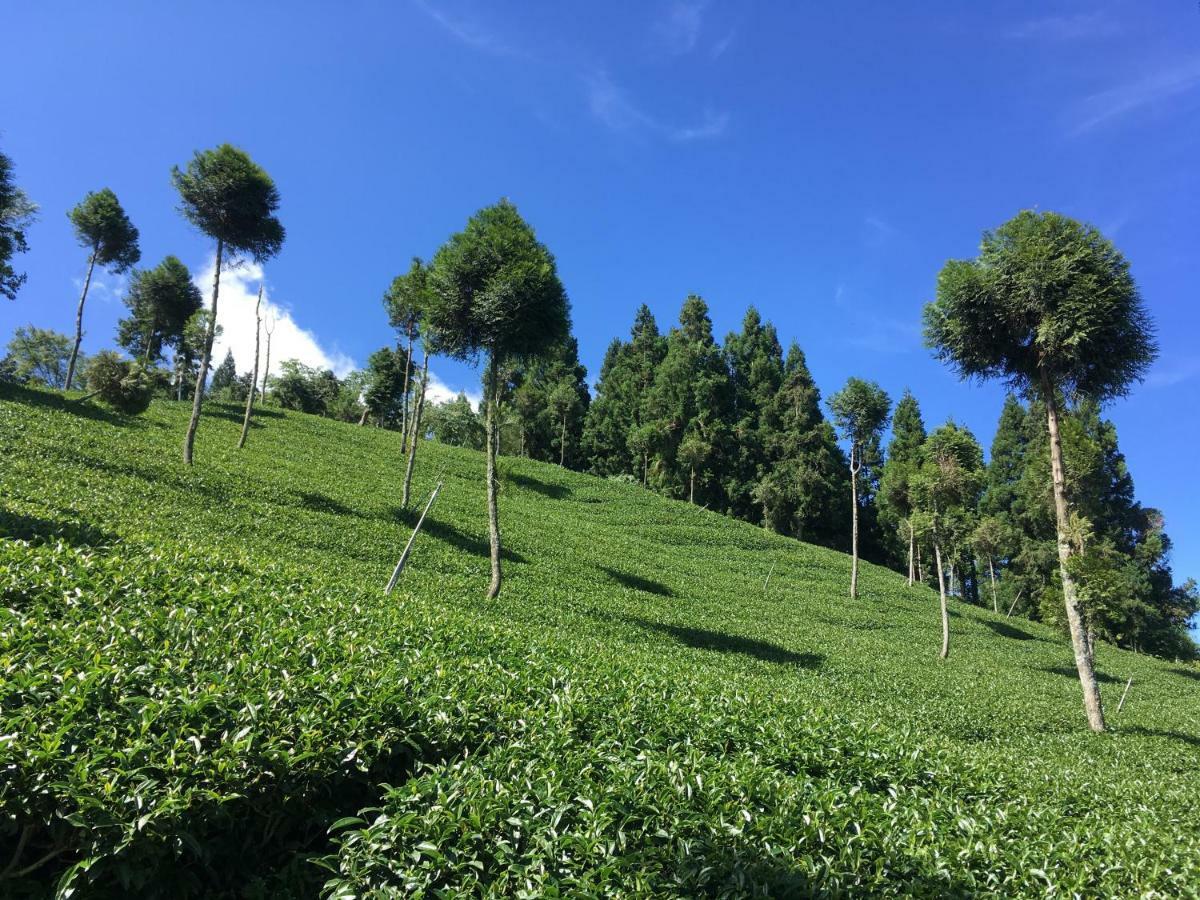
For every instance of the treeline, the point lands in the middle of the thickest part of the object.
(739, 428)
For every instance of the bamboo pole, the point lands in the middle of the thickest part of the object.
(412, 538)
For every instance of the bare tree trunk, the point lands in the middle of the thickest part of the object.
(404, 395)
(1079, 639)
(645, 469)
(267, 367)
(412, 440)
(855, 468)
(189, 439)
(937, 551)
(87, 283)
(992, 573)
(920, 573)
(911, 542)
(254, 377)
(362, 420)
(562, 444)
(493, 400)
(692, 485)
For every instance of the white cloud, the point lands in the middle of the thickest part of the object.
(235, 315)
(1172, 372)
(1152, 89)
(613, 108)
(440, 392)
(1081, 26)
(719, 48)
(680, 27)
(466, 30)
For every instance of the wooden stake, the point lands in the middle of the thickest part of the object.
(408, 547)
(768, 579)
(1122, 703)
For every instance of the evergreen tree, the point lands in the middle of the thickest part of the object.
(456, 422)
(549, 401)
(755, 361)
(801, 492)
(384, 386)
(896, 484)
(224, 377)
(160, 301)
(16, 215)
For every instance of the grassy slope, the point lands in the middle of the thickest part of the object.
(634, 714)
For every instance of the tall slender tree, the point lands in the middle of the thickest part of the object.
(756, 368)
(112, 242)
(254, 372)
(495, 292)
(860, 411)
(896, 480)
(230, 198)
(17, 213)
(406, 301)
(1050, 307)
(269, 329)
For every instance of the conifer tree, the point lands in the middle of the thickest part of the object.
(161, 301)
(16, 215)
(224, 376)
(896, 480)
(755, 361)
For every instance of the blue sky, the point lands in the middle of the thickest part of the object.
(818, 161)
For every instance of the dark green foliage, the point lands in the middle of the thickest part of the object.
(456, 423)
(102, 226)
(125, 386)
(756, 368)
(947, 486)
(407, 299)
(896, 501)
(16, 215)
(40, 355)
(550, 402)
(495, 290)
(805, 481)
(224, 377)
(161, 301)
(384, 394)
(192, 699)
(188, 353)
(230, 198)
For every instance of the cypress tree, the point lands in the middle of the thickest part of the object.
(755, 361)
(896, 499)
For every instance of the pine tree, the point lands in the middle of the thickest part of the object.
(223, 377)
(755, 361)
(896, 485)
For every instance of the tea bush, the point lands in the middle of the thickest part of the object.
(204, 691)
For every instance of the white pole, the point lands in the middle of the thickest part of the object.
(408, 547)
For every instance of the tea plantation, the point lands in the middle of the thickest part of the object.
(204, 691)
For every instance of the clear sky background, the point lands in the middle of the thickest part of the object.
(820, 161)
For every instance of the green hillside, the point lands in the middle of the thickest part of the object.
(203, 689)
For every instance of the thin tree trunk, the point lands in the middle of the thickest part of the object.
(855, 467)
(911, 542)
(1079, 639)
(362, 420)
(562, 449)
(692, 486)
(412, 440)
(87, 283)
(920, 573)
(254, 377)
(492, 440)
(404, 395)
(189, 439)
(937, 551)
(992, 573)
(645, 470)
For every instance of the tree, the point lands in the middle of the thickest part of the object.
(406, 300)
(1048, 306)
(125, 386)
(103, 228)
(755, 362)
(860, 411)
(804, 475)
(496, 291)
(269, 328)
(224, 377)
(455, 422)
(252, 387)
(16, 215)
(990, 540)
(191, 345)
(946, 490)
(231, 199)
(549, 401)
(900, 468)
(384, 393)
(160, 301)
(39, 354)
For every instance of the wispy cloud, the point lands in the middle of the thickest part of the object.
(467, 30)
(1172, 372)
(235, 315)
(681, 25)
(1155, 88)
(719, 48)
(1081, 26)
(613, 108)
(878, 231)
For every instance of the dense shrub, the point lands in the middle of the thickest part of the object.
(125, 386)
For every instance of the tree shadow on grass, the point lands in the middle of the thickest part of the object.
(637, 582)
(1009, 631)
(703, 639)
(1193, 674)
(48, 399)
(1189, 739)
(1069, 672)
(18, 526)
(318, 502)
(553, 491)
(455, 537)
(238, 414)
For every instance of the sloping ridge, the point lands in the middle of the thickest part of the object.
(642, 710)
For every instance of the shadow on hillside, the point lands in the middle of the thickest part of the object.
(703, 639)
(553, 491)
(51, 400)
(1009, 631)
(237, 414)
(1193, 674)
(1069, 672)
(637, 582)
(1189, 739)
(18, 526)
(318, 502)
(455, 537)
